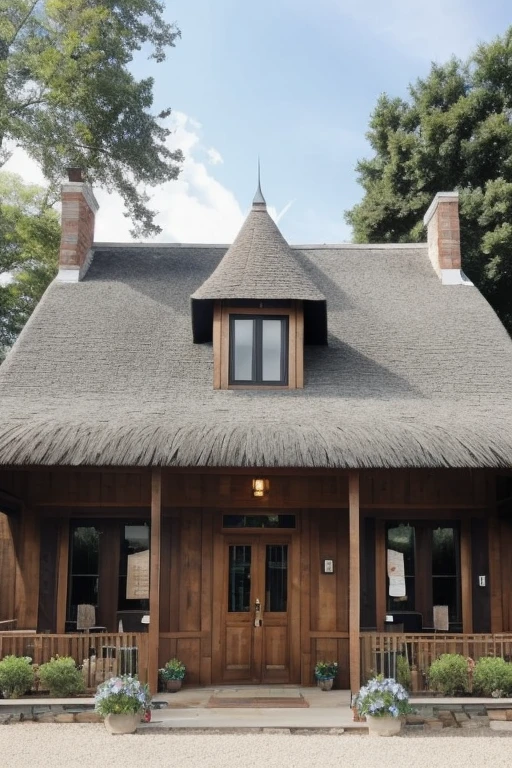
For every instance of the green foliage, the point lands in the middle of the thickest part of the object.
(453, 132)
(61, 677)
(29, 245)
(68, 97)
(492, 676)
(173, 670)
(326, 669)
(403, 672)
(16, 676)
(449, 674)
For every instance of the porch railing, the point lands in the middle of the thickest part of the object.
(99, 656)
(380, 651)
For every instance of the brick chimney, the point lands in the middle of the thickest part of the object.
(79, 208)
(443, 236)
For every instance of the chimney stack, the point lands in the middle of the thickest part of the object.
(79, 208)
(443, 236)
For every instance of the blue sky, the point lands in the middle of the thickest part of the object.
(294, 81)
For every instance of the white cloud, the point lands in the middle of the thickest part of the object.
(196, 208)
(214, 156)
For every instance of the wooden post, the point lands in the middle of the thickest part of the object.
(466, 576)
(354, 583)
(62, 575)
(154, 582)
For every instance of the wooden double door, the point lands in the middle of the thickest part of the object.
(255, 625)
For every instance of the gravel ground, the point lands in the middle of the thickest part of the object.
(89, 746)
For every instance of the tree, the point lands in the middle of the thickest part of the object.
(68, 98)
(29, 246)
(453, 132)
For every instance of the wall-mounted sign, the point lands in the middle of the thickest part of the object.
(328, 566)
(137, 577)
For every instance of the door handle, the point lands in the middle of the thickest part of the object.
(258, 618)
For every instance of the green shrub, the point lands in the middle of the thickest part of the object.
(449, 674)
(492, 675)
(16, 676)
(403, 672)
(61, 677)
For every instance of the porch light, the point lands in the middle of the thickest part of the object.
(260, 487)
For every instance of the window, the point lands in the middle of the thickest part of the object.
(258, 521)
(431, 555)
(258, 351)
(83, 577)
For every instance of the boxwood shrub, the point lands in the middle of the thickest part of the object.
(449, 674)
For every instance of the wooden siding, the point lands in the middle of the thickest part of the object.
(7, 567)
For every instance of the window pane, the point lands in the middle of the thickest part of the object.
(445, 591)
(271, 350)
(85, 547)
(239, 596)
(276, 577)
(401, 539)
(242, 353)
(258, 521)
(444, 562)
(135, 540)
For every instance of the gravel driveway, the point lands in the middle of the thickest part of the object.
(31, 745)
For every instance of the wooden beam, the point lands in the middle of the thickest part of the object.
(62, 575)
(154, 583)
(354, 583)
(466, 576)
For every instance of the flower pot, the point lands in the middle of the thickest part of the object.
(325, 683)
(173, 685)
(384, 726)
(116, 724)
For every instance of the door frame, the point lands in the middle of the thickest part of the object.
(221, 540)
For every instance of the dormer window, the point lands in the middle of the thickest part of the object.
(259, 307)
(258, 350)
(258, 344)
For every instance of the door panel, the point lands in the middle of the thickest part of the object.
(255, 636)
(238, 638)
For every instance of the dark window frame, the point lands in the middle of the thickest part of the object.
(455, 621)
(257, 350)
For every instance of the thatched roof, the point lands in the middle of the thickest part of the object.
(416, 373)
(260, 265)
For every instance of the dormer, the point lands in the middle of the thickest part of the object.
(259, 307)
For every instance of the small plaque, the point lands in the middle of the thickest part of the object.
(328, 566)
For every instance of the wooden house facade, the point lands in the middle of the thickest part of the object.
(235, 495)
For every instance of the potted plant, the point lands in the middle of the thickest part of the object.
(383, 701)
(172, 675)
(325, 672)
(122, 700)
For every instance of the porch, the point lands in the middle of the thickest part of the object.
(197, 551)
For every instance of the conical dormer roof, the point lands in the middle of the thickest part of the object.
(258, 265)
